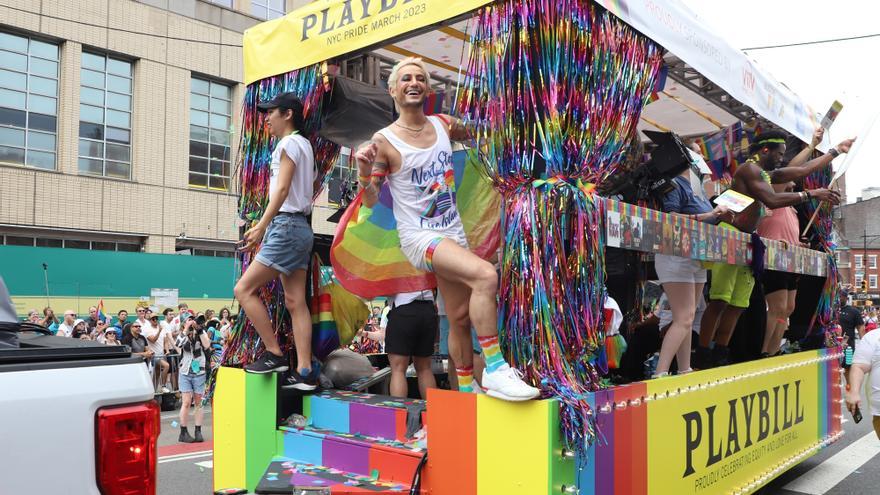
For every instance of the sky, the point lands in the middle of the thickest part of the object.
(847, 71)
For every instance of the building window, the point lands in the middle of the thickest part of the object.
(189, 247)
(859, 277)
(872, 281)
(225, 3)
(16, 240)
(267, 9)
(28, 101)
(209, 135)
(859, 261)
(188, 251)
(872, 261)
(105, 116)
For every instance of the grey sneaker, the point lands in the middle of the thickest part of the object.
(296, 381)
(268, 363)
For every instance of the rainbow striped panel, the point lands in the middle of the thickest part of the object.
(366, 255)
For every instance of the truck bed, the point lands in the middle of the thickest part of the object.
(38, 351)
(52, 388)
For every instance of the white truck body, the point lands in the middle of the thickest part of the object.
(51, 389)
(47, 420)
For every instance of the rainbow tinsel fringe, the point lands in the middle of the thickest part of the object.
(554, 90)
(821, 234)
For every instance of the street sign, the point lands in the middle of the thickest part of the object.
(164, 297)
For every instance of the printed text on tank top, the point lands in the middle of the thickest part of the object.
(423, 185)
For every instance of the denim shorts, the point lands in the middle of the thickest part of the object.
(287, 245)
(192, 383)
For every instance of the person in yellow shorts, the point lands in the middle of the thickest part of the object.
(731, 285)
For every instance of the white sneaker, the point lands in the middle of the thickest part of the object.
(507, 383)
(165, 390)
(477, 388)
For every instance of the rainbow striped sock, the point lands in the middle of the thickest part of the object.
(491, 353)
(465, 379)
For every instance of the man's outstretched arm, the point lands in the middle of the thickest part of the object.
(772, 199)
(796, 171)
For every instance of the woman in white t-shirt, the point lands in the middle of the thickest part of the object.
(865, 360)
(285, 238)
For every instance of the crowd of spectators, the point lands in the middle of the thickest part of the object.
(152, 334)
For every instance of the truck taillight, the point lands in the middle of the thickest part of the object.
(125, 449)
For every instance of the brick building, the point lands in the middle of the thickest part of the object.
(859, 227)
(119, 122)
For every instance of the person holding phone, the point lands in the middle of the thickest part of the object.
(865, 360)
(137, 342)
(193, 345)
(50, 321)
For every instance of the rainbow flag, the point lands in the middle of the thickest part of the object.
(659, 84)
(434, 103)
(366, 254)
(325, 335)
(101, 315)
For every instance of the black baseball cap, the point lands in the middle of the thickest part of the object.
(286, 100)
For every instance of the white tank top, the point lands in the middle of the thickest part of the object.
(424, 187)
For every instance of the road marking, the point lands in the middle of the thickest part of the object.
(176, 415)
(182, 454)
(836, 468)
(206, 464)
(185, 457)
(185, 448)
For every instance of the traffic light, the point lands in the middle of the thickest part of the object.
(864, 286)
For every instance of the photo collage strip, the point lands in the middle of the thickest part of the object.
(641, 229)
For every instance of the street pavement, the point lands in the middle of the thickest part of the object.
(851, 466)
(184, 469)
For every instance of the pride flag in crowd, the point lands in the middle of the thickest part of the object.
(101, 315)
(366, 254)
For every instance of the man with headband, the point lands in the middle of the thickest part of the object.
(731, 286)
(414, 155)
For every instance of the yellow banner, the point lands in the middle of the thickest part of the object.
(731, 433)
(325, 29)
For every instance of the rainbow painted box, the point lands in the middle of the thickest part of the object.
(729, 430)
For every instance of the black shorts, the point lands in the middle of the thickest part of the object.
(774, 281)
(412, 329)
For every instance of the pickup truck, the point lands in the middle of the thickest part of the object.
(76, 417)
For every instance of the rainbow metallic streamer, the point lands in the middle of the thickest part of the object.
(253, 172)
(553, 90)
(821, 235)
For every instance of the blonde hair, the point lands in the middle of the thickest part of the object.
(417, 61)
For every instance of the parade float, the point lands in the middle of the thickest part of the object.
(554, 92)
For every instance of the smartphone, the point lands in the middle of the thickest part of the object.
(857, 416)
